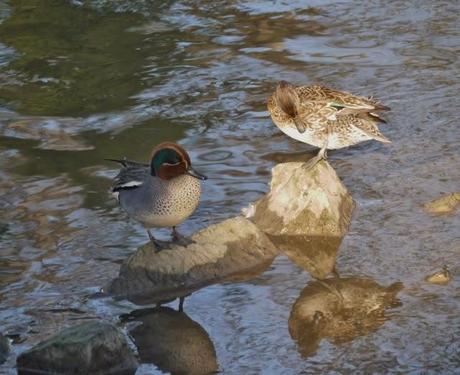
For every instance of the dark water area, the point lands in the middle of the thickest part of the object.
(81, 81)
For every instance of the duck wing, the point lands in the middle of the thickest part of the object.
(131, 175)
(366, 124)
(314, 115)
(371, 129)
(344, 102)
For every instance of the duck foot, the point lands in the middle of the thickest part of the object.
(157, 244)
(180, 239)
(322, 155)
(312, 162)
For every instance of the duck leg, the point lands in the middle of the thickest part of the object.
(322, 155)
(335, 272)
(181, 303)
(175, 234)
(334, 290)
(156, 244)
(180, 239)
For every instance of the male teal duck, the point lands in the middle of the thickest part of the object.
(325, 118)
(163, 193)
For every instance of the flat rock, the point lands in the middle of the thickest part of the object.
(339, 310)
(173, 342)
(4, 348)
(443, 205)
(89, 348)
(306, 213)
(232, 249)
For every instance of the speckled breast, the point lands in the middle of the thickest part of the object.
(162, 203)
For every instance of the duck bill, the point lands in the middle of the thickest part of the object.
(192, 172)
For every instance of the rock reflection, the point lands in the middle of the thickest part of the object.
(173, 342)
(318, 313)
(315, 254)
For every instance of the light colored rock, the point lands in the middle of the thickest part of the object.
(174, 343)
(234, 248)
(89, 348)
(306, 213)
(440, 277)
(443, 205)
(339, 310)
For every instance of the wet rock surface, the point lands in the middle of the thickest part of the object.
(173, 342)
(58, 133)
(441, 277)
(306, 213)
(443, 205)
(4, 348)
(232, 249)
(339, 310)
(89, 348)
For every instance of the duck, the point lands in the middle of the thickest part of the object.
(325, 118)
(163, 193)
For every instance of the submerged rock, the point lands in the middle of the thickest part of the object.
(57, 133)
(232, 249)
(339, 310)
(89, 348)
(173, 342)
(440, 277)
(444, 205)
(4, 348)
(306, 213)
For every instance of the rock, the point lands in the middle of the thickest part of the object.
(306, 213)
(340, 310)
(89, 348)
(440, 277)
(234, 248)
(57, 133)
(444, 205)
(4, 348)
(174, 343)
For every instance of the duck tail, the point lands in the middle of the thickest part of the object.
(381, 107)
(123, 162)
(372, 116)
(380, 137)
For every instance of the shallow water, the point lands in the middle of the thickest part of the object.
(86, 80)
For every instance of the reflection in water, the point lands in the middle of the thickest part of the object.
(177, 271)
(173, 342)
(316, 254)
(319, 314)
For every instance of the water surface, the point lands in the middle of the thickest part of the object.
(86, 80)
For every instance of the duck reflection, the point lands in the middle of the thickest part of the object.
(173, 342)
(358, 309)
